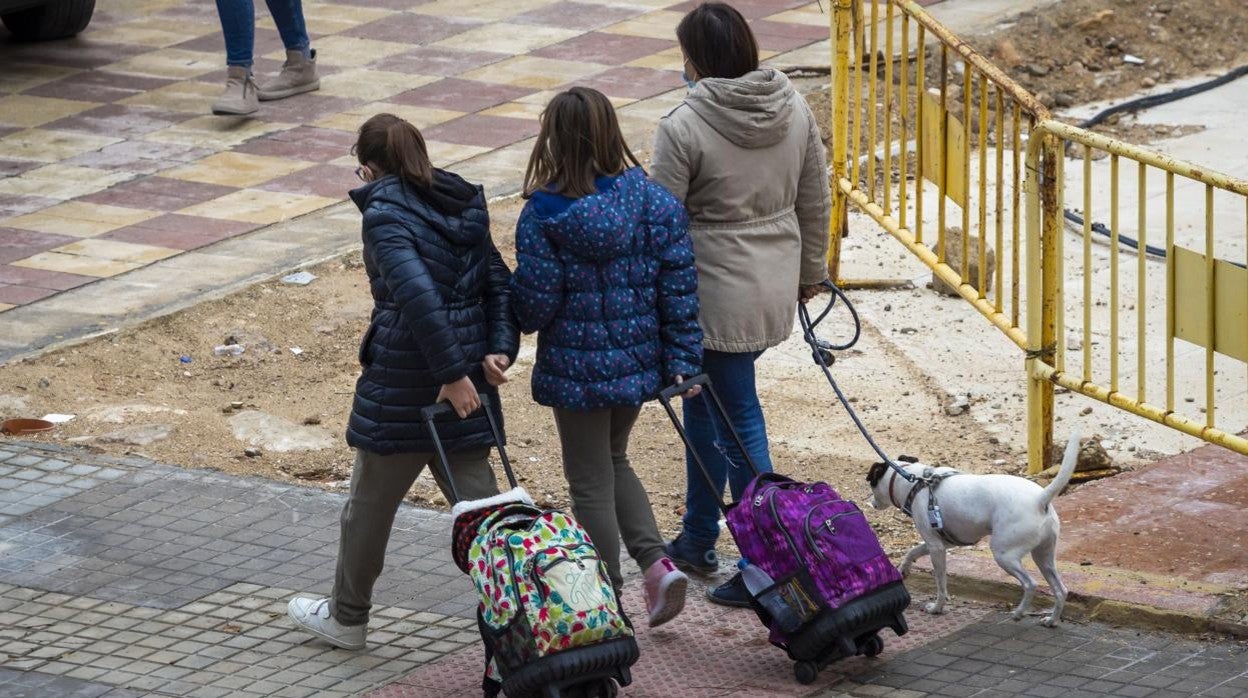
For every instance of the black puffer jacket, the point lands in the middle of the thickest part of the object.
(440, 304)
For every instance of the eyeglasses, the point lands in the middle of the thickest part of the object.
(362, 173)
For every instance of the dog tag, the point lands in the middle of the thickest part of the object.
(934, 518)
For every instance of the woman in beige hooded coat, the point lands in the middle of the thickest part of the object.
(744, 153)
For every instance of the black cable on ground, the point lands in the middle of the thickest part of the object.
(1135, 105)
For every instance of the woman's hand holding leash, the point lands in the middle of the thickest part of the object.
(462, 395)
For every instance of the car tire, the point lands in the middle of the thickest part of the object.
(57, 19)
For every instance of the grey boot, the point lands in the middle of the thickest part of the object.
(298, 75)
(239, 97)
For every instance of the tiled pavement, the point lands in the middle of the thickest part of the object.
(129, 578)
(109, 160)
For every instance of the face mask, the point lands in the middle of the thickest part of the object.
(688, 81)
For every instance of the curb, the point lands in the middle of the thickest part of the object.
(1095, 607)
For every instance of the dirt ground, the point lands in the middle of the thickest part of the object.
(133, 385)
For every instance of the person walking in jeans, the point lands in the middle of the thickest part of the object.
(238, 23)
(744, 153)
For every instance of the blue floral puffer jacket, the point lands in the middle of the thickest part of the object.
(610, 287)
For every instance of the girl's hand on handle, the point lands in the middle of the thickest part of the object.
(496, 366)
(462, 395)
(692, 392)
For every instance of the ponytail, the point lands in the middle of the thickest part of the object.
(395, 146)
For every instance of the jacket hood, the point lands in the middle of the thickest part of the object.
(602, 225)
(444, 205)
(752, 111)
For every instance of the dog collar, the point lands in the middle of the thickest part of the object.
(892, 480)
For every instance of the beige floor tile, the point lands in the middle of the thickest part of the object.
(670, 59)
(77, 264)
(811, 16)
(255, 206)
(328, 18)
(446, 154)
(656, 107)
(62, 181)
(509, 38)
(485, 10)
(372, 85)
(180, 96)
(216, 132)
(517, 110)
(535, 73)
(27, 111)
(420, 117)
(6, 306)
(19, 77)
(114, 250)
(236, 169)
(640, 4)
(80, 219)
(169, 63)
(42, 145)
(660, 24)
(350, 52)
(151, 31)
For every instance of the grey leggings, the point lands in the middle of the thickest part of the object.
(378, 484)
(607, 498)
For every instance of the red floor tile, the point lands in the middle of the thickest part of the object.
(97, 86)
(21, 295)
(13, 168)
(302, 143)
(611, 49)
(180, 232)
(750, 9)
(577, 15)
(460, 95)
(19, 244)
(118, 120)
(333, 181)
(158, 193)
(18, 205)
(41, 278)
(635, 83)
(783, 36)
(419, 30)
(438, 61)
(483, 130)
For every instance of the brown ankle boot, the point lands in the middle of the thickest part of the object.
(298, 75)
(239, 97)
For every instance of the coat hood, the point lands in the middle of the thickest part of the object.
(602, 225)
(752, 111)
(447, 205)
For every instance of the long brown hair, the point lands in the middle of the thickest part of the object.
(396, 147)
(579, 139)
(718, 41)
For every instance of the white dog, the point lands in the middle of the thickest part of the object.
(1017, 513)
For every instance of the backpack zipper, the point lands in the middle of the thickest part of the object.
(828, 523)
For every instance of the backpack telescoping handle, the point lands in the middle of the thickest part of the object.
(665, 398)
(431, 413)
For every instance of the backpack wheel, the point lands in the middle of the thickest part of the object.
(872, 646)
(805, 672)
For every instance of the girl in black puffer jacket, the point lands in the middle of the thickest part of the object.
(441, 329)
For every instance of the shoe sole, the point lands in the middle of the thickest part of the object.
(673, 592)
(690, 568)
(226, 112)
(710, 596)
(288, 92)
(328, 638)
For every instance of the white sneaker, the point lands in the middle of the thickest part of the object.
(313, 616)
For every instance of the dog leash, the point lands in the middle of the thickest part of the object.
(821, 352)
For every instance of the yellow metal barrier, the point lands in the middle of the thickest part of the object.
(922, 121)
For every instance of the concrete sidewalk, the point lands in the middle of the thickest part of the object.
(129, 578)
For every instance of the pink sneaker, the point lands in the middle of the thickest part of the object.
(665, 591)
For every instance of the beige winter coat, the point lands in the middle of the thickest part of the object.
(746, 158)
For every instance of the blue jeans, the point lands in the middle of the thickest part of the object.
(732, 375)
(238, 23)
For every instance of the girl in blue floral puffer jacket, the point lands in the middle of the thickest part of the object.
(605, 276)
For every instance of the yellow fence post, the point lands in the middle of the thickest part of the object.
(1044, 225)
(842, 26)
